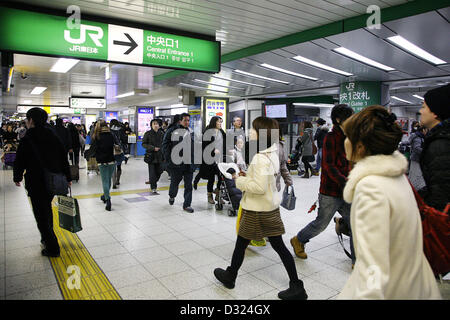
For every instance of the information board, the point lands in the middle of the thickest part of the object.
(215, 107)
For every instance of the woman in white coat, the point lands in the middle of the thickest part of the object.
(261, 211)
(385, 219)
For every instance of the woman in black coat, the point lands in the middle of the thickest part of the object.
(152, 142)
(38, 148)
(209, 170)
(76, 146)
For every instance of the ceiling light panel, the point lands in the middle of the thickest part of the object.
(321, 66)
(38, 90)
(295, 74)
(415, 50)
(248, 74)
(356, 56)
(418, 97)
(63, 65)
(402, 100)
(238, 81)
(218, 84)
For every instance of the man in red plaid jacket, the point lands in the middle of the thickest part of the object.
(335, 169)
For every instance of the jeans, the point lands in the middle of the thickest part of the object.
(176, 175)
(42, 209)
(327, 208)
(319, 159)
(154, 173)
(106, 172)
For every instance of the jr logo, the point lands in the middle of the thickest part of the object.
(95, 33)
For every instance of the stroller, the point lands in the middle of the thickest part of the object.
(9, 154)
(228, 192)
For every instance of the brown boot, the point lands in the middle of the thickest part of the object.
(210, 198)
(299, 248)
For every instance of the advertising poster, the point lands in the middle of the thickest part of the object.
(110, 115)
(76, 120)
(215, 107)
(145, 116)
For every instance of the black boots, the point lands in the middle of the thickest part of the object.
(108, 204)
(227, 277)
(295, 291)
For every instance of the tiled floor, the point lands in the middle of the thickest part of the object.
(151, 250)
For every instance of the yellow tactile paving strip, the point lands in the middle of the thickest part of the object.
(90, 283)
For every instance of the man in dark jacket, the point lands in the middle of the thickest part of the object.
(435, 158)
(335, 169)
(41, 147)
(152, 142)
(176, 134)
(64, 135)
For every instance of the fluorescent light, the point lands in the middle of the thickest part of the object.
(198, 87)
(415, 50)
(363, 59)
(396, 98)
(259, 77)
(321, 66)
(417, 96)
(63, 65)
(323, 105)
(131, 93)
(265, 65)
(27, 101)
(217, 84)
(38, 90)
(238, 81)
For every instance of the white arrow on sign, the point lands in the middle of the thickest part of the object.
(125, 44)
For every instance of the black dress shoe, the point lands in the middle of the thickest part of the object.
(108, 205)
(171, 201)
(103, 198)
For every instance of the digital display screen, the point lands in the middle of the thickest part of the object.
(276, 111)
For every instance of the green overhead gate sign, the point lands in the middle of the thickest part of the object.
(38, 33)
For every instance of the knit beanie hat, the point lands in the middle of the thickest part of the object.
(438, 100)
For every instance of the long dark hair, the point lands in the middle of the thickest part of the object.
(213, 122)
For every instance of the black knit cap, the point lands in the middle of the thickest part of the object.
(438, 100)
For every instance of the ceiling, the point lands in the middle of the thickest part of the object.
(239, 25)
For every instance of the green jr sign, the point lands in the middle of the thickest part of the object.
(38, 33)
(360, 94)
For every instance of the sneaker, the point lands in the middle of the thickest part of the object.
(227, 277)
(171, 201)
(154, 193)
(299, 248)
(188, 209)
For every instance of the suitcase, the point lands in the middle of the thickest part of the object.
(74, 171)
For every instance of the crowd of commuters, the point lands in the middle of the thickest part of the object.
(362, 177)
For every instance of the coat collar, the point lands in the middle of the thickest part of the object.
(273, 148)
(392, 165)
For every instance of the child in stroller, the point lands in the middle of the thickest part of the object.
(228, 190)
(9, 154)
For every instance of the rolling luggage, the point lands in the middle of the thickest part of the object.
(74, 170)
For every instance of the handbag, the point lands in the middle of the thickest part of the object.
(289, 199)
(69, 213)
(436, 235)
(148, 157)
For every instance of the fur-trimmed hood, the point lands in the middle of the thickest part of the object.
(392, 165)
